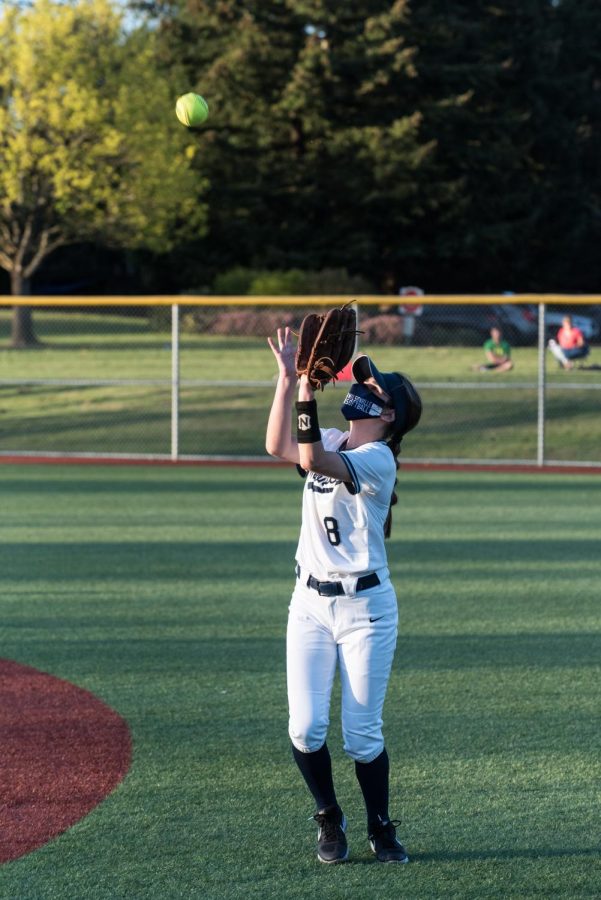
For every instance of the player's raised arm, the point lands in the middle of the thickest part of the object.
(312, 455)
(279, 440)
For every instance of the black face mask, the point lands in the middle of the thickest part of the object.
(360, 403)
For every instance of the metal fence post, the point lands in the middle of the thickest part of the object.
(174, 381)
(540, 449)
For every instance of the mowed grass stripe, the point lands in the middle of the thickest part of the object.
(165, 592)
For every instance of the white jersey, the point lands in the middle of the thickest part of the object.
(342, 530)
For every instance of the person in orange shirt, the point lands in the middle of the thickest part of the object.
(570, 344)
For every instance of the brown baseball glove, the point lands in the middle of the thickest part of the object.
(326, 343)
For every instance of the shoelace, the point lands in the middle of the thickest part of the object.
(386, 832)
(330, 828)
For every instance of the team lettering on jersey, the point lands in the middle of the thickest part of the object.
(322, 484)
(342, 528)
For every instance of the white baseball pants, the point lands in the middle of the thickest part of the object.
(358, 633)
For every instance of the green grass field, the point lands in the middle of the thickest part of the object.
(165, 591)
(469, 423)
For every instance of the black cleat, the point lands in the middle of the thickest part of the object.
(331, 839)
(384, 842)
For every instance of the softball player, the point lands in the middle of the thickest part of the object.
(343, 612)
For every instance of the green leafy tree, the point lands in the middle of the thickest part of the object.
(90, 149)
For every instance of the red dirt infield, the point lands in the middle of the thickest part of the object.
(507, 468)
(63, 751)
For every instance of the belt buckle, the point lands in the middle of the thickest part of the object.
(331, 588)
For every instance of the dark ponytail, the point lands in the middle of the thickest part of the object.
(407, 406)
(394, 444)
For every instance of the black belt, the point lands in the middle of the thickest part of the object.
(334, 588)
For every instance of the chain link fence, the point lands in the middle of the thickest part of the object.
(193, 377)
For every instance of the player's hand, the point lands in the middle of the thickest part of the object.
(284, 352)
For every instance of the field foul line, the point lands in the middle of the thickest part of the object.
(411, 464)
(204, 382)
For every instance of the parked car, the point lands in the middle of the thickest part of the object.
(594, 312)
(587, 324)
(469, 325)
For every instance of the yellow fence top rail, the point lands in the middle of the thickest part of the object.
(333, 300)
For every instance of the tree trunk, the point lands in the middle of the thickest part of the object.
(22, 333)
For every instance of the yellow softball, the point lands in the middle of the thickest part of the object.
(191, 109)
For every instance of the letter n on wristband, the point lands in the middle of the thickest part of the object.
(307, 424)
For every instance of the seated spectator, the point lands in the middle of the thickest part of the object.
(570, 344)
(497, 352)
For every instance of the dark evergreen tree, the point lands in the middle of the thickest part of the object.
(564, 252)
(312, 147)
(451, 145)
(507, 92)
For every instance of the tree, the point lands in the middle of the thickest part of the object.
(567, 123)
(313, 151)
(89, 146)
(453, 145)
(510, 92)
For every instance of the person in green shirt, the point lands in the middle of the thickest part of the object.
(497, 352)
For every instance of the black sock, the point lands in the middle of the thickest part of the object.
(373, 779)
(316, 769)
